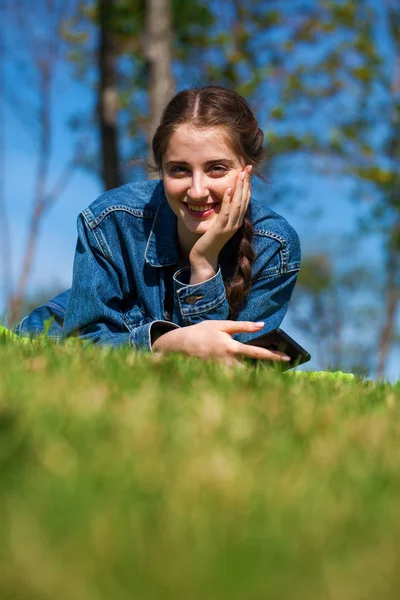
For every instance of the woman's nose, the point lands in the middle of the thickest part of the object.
(198, 189)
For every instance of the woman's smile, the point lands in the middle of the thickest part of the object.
(201, 211)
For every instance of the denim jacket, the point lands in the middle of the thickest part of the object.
(127, 266)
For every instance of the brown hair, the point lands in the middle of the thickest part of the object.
(215, 106)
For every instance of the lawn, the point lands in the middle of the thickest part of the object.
(127, 476)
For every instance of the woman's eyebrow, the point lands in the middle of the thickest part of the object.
(226, 161)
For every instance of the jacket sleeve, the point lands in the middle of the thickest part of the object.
(94, 311)
(200, 301)
(272, 288)
(267, 301)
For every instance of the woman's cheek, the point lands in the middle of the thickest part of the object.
(174, 191)
(220, 186)
(232, 179)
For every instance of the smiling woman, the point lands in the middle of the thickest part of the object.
(191, 263)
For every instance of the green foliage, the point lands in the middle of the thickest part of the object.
(191, 20)
(277, 56)
(345, 13)
(125, 474)
(316, 273)
(247, 47)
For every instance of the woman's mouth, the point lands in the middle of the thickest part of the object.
(199, 211)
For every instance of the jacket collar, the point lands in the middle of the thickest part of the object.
(162, 245)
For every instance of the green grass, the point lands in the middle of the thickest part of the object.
(128, 476)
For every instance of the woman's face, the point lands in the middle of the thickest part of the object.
(198, 166)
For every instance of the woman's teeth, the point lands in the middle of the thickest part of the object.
(197, 208)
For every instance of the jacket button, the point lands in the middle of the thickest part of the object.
(192, 299)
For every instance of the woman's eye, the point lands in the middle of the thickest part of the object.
(214, 169)
(218, 169)
(178, 169)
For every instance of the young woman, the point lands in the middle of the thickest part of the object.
(190, 263)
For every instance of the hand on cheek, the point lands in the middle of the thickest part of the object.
(240, 196)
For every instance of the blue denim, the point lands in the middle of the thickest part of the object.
(127, 264)
(38, 320)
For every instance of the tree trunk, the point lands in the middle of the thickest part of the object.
(391, 306)
(393, 259)
(107, 103)
(161, 83)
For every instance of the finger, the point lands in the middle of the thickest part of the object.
(225, 210)
(240, 198)
(237, 200)
(258, 353)
(246, 183)
(232, 327)
(246, 193)
(233, 362)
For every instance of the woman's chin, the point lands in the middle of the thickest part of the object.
(197, 226)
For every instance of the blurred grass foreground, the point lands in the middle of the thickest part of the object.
(129, 476)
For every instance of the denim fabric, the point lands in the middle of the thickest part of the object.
(127, 244)
(35, 323)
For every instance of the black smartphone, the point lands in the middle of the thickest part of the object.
(279, 340)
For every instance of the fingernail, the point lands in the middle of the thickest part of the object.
(286, 358)
(259, 324)
(242, 176)
(250, 168)
(229, 191)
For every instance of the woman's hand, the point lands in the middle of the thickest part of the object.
(213, 339)
(204, 254)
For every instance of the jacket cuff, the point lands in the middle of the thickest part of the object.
(141, 337)
(199, 301)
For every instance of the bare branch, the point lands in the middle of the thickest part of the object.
(66, 176)
(46, 52)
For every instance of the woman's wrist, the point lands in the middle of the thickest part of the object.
(164, 341)
(201, 275)
(202, 269)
